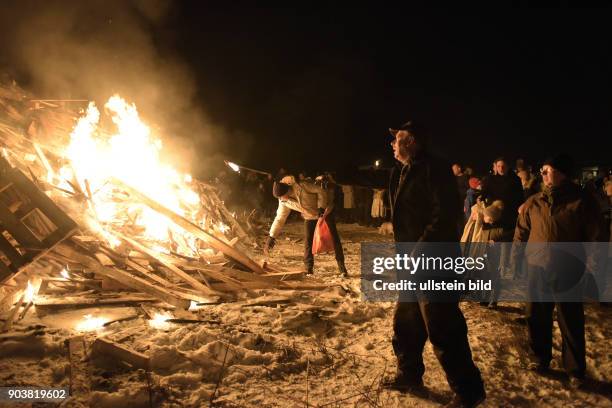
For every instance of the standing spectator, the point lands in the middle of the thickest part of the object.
(428, 214)
(462, 180)
(378, 206)
(561, 213)
(471, 196)
(505, 186)
(349, 202)
(363, 200)
(528, 181)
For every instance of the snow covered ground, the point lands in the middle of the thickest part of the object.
(319, 348)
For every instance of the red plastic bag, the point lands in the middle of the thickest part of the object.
(322, 241)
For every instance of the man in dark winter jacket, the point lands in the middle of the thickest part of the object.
(563, 212)
(426, 208)
(505, 186)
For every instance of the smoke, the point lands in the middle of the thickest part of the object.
(94, 49)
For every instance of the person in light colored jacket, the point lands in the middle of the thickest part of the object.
(313, 201)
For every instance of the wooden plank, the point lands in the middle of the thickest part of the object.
(106, 348)
(194, 229)
(8, 324)
(42, 202)
(79, 369)
(196, 284)
(46, 302)
(235, 224)
(170, 287)
(32, 247)
(20, 232)
(123, 277)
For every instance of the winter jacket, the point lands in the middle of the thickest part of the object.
(425, 206)
(563, 214)
(305, 197)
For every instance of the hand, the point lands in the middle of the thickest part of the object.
(270, 242)
(321, 212)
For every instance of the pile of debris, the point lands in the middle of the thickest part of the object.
(74, 234)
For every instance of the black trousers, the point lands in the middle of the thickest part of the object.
(443, 323)
(309, 230)
(570, 317)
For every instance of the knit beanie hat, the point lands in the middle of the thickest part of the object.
(494, 211)
(279, 189)
(474, 183)
(561, 162)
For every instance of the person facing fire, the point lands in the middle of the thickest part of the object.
(425, 207)
(313, 201)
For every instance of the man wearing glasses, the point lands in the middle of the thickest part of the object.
(562, 212)
(426, 208)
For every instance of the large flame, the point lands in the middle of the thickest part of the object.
(131, 155)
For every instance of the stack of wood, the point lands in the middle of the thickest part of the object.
(46, 239)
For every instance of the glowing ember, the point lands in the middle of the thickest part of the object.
(234, 166)
(29, 293)
(132, 156)
(91, 323)
(65, 274)
(159, 320)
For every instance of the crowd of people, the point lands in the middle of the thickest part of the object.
(506, 206)
(430, 200)
(361, 203)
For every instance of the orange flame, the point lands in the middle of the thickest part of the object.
(131, 155)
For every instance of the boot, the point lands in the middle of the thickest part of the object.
(406, 385)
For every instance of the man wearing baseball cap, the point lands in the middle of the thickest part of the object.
(426, 208)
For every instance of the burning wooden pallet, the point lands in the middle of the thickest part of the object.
(54, 227)
(30, 223)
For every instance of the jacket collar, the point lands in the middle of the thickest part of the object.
(419, 158)
(561, 192)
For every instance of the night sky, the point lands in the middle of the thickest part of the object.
(316, 88)
(319, 87)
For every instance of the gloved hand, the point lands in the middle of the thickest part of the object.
(270, 242)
